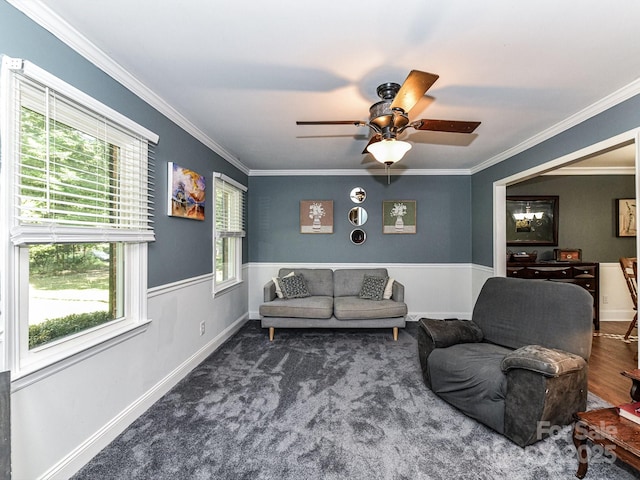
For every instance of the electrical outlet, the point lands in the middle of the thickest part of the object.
(201, 328)
(605, 300)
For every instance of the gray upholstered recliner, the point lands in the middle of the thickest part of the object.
(520, 365)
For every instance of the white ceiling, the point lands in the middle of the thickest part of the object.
(240, 73)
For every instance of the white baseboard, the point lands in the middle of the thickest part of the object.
(81, 455)
(616, 315)
(415, 316)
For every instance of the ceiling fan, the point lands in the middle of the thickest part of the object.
(388, 118)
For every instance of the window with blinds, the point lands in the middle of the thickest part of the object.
(229, 207)
(228, 231)
(77, 173)
(76, 185)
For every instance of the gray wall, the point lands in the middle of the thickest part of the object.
(587, 214)
(183, 247)
(618, 119)
(443, 219)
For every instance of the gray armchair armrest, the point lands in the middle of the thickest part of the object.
(434, 334)
(545, 387)
(269, 291)
(546, 361)
(445, 333)
(397, 291)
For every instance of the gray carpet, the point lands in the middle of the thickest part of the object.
(318, 404)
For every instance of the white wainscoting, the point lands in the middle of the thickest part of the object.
(60, 422)
(615, 301)
(436, 290)
(447, 290)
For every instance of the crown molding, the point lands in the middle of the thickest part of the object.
(56, 25)
(352, 172)
(592, 110)
(592, 171)
(46, 18)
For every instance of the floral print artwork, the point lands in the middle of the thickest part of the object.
(316, 216)
(399, 216)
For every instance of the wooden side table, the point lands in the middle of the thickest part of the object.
(619, 437)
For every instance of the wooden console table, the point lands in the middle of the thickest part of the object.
(584, 274)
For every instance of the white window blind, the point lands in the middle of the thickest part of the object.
(78, 173)
(229, 198)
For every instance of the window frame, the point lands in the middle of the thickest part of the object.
(235, 237)
(29, 360)
(14, 294)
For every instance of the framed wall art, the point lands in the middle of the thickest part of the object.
(316, 216)
(626, 217)
(399, 216)
(532, 220)
(186, 193)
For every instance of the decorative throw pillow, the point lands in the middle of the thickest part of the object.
(276, 282)
(388, 290)
(294, 287)
(373, 287)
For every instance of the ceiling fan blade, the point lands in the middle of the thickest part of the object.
(453, 126)
(412, 90)
(374, 139)
(357, 123)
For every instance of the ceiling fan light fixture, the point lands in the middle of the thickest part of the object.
(389, 151)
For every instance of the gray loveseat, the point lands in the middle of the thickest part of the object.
(333, 302)
(520, 365)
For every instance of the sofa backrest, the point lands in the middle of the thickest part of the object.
(514, 312)
(319, 280)
(348, 282)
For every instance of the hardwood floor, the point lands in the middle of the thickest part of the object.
(609, 357)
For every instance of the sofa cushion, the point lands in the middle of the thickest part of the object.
(373, 287)
(469, 377)
(319, 280)
(309, 307)
(388, 289)
(355, 308)
(294, 287)
(276, 282)
(348, 282)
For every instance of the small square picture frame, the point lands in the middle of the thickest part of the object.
(316, 216)
(399, 217)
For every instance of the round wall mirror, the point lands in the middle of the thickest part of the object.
(358, 195)
(358, 216)
(358, 236)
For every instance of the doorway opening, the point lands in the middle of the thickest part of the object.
(616, 156)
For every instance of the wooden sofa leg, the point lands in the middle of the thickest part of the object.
(395, 334)
(272, 330)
